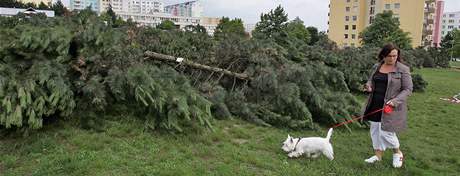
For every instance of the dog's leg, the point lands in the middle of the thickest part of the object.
(315, 155)
(294, 154)
(329, 154)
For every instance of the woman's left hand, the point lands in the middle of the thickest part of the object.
(390, 103)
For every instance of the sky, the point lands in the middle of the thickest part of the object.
(312, 12)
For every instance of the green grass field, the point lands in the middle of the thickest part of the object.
(430, 145)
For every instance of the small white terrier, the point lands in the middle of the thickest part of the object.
(311, 146)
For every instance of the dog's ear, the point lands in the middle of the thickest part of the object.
(292, 141)
(289, 136)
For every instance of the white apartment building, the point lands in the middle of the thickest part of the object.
(450, 21)
(133, 6)
(187, 9)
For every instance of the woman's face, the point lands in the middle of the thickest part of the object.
(391, 58)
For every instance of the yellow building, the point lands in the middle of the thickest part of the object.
(347, 18)
(47, 2)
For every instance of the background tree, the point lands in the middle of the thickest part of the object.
(167, 25)
(456, 45)
(385, 29)
(228, 27)
(196, 29)
(272, 24)
(111, 14)
(297, 29)
(59, 8)
(314, 36)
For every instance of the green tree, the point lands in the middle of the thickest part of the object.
(229, 27)
(456, 44)
(111, 14)
(314, 36)
(59, 8)
(385, 29)
(166, 25)
(296, 29)
(272, 24)
(195, 29)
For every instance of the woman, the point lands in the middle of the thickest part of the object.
(390, 83)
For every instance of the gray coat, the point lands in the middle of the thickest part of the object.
(399, 87)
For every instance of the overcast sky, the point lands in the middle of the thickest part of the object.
(312, 12)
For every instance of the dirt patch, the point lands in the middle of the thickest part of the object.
(239, 141)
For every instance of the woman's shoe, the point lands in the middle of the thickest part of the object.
(372, 159)
(397, 160)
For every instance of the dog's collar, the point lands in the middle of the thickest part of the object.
(295, 146)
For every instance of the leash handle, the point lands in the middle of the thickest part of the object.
(356, 118)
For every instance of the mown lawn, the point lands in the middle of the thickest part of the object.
(431, 146)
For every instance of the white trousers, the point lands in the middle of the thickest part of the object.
(382, 140)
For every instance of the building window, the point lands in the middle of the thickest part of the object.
(372, 11)
(353, 36)
(347, 9)
(356, 0)
(371, 19)
(353, 27)
(347, 18)
(443, 26)
(345, 44)
(442, 32)
(451, 15)
(346, 36)
(348, 0)
(397, 5)
(451, 21)
(450, 27)
(372, 2)
(355, 18)
(346, 27)
(387, 6)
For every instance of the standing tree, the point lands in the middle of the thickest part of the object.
(272, 24)
(228, 27)
(111, 13)
(456, 43)
(59, 8)
(385, 29)
(314, 36)
(296, 29)
(166, 25)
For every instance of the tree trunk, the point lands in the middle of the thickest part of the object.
(162, 57)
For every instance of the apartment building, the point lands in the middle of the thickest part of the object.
(450, 21)
(347, 18)
(187, 9)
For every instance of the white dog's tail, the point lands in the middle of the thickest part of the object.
(329, 134)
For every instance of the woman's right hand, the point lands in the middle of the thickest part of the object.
(367, 88)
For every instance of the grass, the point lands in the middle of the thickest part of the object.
(239, 148)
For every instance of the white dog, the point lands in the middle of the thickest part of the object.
(311, 146)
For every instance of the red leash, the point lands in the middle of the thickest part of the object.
(387, 109)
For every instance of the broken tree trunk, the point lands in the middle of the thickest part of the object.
(168, 58)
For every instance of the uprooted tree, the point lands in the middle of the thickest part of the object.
(83, 68)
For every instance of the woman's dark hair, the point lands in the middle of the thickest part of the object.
(387, 50)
